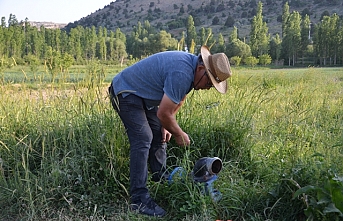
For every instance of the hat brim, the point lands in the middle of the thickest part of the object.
(220, 87)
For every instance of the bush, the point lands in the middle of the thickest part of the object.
(235, 60)
(251, 60)
(265, 59)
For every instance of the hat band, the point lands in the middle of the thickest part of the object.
(211, 66)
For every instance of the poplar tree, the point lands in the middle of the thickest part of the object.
(275, 47)
(93, 38)
(221, 44)
(36, 41)
(120, 45)
(64, 39)
(2, 33)
(57, 39)
(259, 37)
(44, 47)
(234, 34)
(285, 15)
(327, 37)
(334, 38)
(291, 41)
(120, 35)
(305, 36)
(26, 46)
(75, 44)
(191, 31)
(120, 50)
(110, 47)
(15, 39)
(202, 36)
(340, 43)
(101, 44)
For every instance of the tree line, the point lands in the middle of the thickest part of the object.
(300, 42)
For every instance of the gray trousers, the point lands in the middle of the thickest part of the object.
(143, 129)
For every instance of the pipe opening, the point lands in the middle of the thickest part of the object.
(216, 166)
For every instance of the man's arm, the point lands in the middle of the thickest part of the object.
(179, 105)
(166, 114)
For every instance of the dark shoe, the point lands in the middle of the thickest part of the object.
(147, 206)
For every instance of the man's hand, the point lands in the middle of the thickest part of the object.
(166, 114)
(183, 139)
(166, 135)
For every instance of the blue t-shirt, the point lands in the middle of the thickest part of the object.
(170, 73)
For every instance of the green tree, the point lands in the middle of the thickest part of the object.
(120, 50)
(305, 36)
(238, 48)
(120, 35)
(259, 37)
(64, 42)
(3, 22)
(340, 43)
(36, 42)
(110, 46)
(234, 34)
(91, 39)
(275, 47)
(57, 39)
(327, 37)
(202, 36)
(191, 31)
(285, 15)
(102, 50)
(14, 38)
(75, 47)
(164, 41)
(2, 42)
(292, 38)
(220, 47)
(12, 21)
(26, 46)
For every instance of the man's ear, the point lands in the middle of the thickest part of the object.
(200, 67)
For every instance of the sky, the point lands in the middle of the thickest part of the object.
(57, 11)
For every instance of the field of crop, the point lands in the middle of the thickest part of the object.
(279, 132)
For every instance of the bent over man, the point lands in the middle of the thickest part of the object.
(147, 96)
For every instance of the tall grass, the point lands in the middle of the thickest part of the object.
(64, 154)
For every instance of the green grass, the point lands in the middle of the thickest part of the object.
(75, 74)
(64, 152)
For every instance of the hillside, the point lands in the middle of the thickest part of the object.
(171, 15)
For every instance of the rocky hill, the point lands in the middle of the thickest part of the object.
(50, 25)
(220, 15)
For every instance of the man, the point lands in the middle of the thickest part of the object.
(147, 96)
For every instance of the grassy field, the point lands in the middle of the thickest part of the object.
(279, 132)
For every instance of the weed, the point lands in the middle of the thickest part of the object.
(64, 154)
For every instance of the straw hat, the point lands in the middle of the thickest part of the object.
(217, 67)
